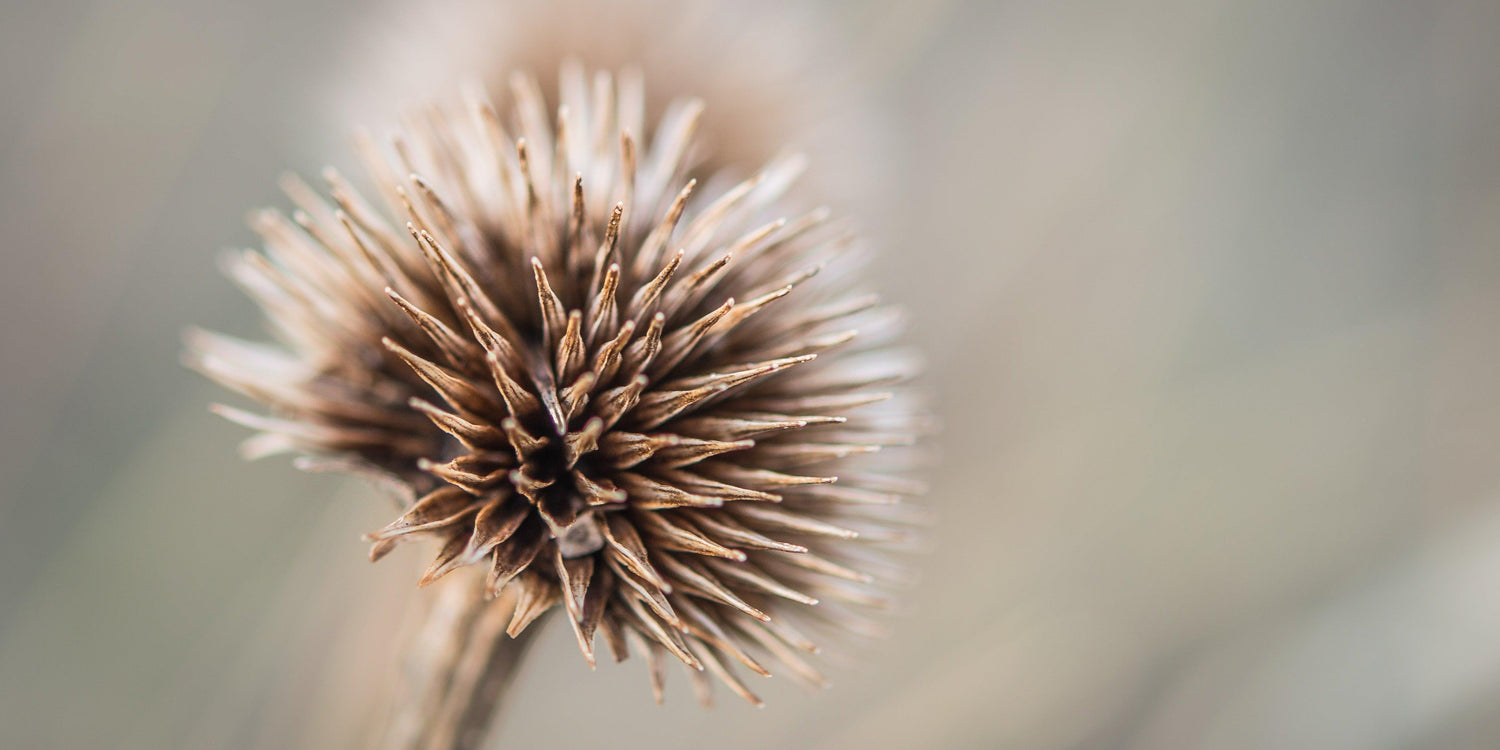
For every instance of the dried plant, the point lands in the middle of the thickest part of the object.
(647, 399)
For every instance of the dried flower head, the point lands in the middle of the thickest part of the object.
(648, 399)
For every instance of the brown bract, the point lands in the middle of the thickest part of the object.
(650, 400)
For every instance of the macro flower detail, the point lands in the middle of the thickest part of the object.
(644, 395)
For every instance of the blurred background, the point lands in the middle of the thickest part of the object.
(1208, 290)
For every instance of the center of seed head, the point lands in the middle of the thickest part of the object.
(582, 537)
(573, 522)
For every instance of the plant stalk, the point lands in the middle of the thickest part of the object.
(457, 670)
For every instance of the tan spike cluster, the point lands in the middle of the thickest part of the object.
(650, 399)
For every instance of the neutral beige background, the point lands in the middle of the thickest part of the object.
(1209, 291)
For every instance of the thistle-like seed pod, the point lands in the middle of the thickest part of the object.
(643, 398)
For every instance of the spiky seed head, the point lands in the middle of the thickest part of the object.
(649, 400)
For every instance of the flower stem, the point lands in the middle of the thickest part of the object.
(456, 671)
